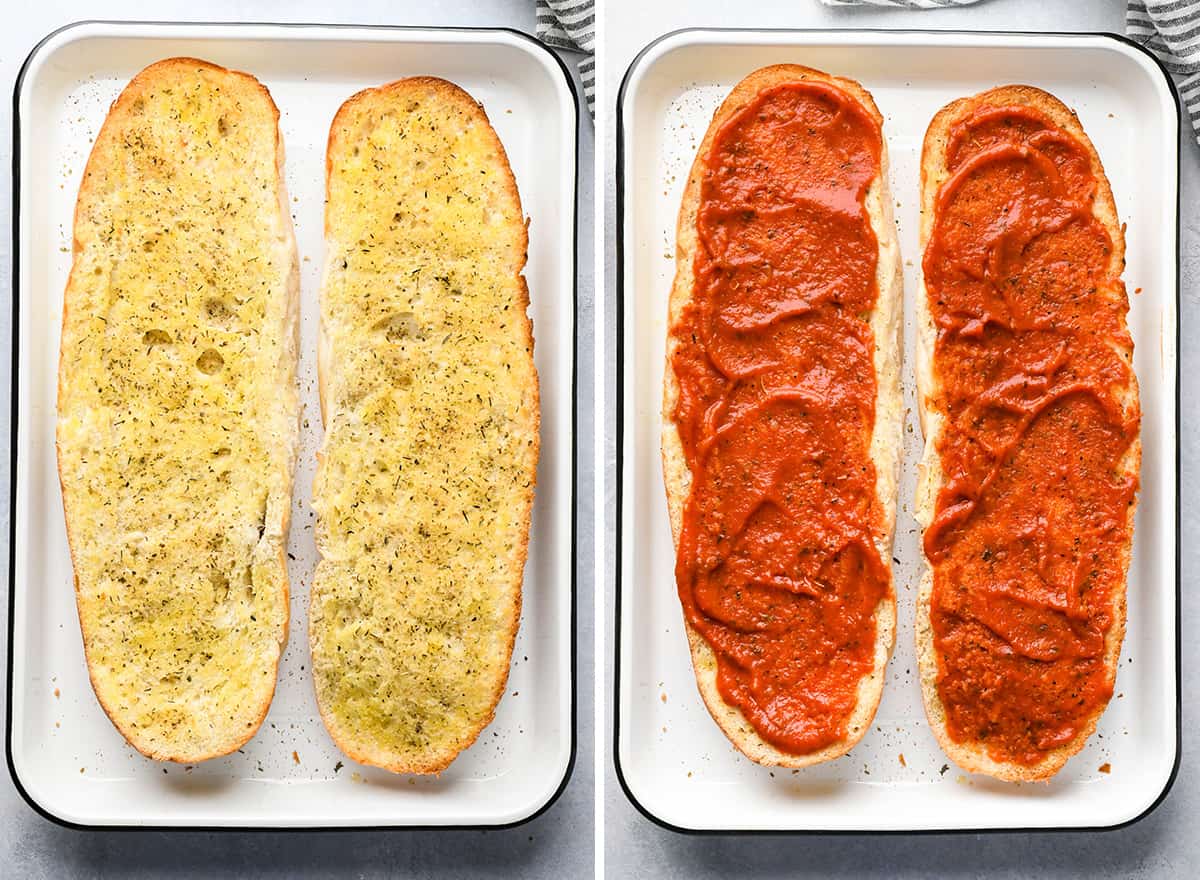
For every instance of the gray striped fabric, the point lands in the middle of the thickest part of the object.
(571, 25)
(1168, 28)
(1171, 30)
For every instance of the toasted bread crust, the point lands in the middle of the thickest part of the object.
(885, 444)
(104, 161)
(361, 747)
(971, 756)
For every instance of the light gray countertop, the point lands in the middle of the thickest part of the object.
(559, 843)
(1163, 844)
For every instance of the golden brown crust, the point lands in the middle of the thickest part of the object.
(390, 93)
(99, 163)
(885, 446)
(972, 756)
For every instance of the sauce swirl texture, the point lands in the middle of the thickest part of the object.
(777, 565)
(1037, 448)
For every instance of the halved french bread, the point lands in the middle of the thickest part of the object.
(881, 323)
(178, 408)
(979, 750)
(429, 396)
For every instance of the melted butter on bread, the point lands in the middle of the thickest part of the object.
(430, 401)
(178, 408)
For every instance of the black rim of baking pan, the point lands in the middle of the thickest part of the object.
(15, 340)
(620, 434)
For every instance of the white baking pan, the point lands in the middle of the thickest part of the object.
(674, 762)
(64, 754)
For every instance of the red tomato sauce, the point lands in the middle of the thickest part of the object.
(777, 566)
(1032, 359)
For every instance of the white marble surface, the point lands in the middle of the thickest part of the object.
(1164, 844)
(558, 844)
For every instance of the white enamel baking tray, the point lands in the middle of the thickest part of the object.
(672, 759)
(64, 755)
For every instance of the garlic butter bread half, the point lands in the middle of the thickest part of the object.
(429, 397)
(178, 408)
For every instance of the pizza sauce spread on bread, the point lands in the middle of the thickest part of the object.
(777, 566)
(1039, 402)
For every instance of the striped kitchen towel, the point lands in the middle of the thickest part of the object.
(571, 25)
(1168, 28)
